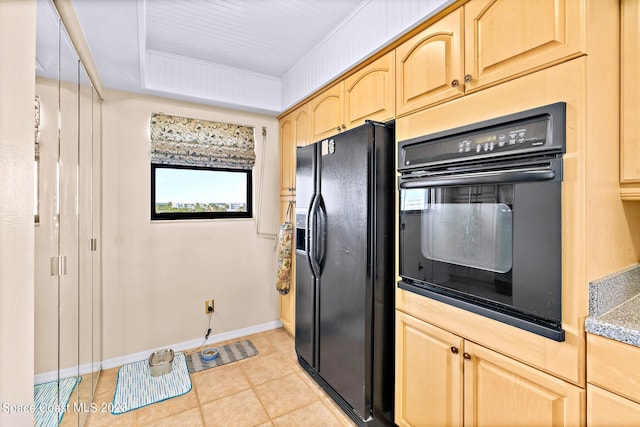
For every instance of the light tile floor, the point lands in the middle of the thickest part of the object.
(269, 389)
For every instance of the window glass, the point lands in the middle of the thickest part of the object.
(183, 192)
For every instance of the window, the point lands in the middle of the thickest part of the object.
(200, 168)
(198, 192)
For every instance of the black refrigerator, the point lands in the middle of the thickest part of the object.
(345, 280)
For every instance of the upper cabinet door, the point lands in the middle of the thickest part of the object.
(430, 65)
(369, 94)
(302, 126)
(505, 39)
(630, 102)
(287, 156)
(327, 113)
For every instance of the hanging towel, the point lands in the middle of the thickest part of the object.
(285, 243)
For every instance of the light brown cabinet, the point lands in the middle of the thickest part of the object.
(501, 391)
(503, 42)
(302, 126)
(295, 130)
(613, 379)
(613, 383)
(442, 379)
(606, 409)
(368, 94)
(630, 102)
(428, 384)
(287, 156)
(327, 113)
(485, 43)
(430, 65)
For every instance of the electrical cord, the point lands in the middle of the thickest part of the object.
(206, 337)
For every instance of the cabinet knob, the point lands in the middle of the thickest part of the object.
(343, 127)
(466, 356)
(455, 83)
(338, 128)
(468, 78)
(454, 350)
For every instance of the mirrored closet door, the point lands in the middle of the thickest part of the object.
(67, 234)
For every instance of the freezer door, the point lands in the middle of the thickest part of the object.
(306, 179)
(345, 284)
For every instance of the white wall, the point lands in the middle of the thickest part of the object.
(156, 276)
(17, 86)
(373, 26)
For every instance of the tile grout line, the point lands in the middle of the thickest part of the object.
(301, 375)
(271, 337)
(195, 388)
(256, 392)
(254, 386)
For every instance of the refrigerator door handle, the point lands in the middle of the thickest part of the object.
(312, 230)
(321, 236)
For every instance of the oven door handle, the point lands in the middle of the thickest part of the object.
(479, 178)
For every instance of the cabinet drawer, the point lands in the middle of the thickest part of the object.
(605, 409)
(613, 365)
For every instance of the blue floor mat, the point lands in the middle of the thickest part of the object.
(49, 411)
(137, 388)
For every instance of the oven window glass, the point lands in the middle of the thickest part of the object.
(477, 235)
(460, 238)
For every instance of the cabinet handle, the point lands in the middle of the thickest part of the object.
(338, 128)
(343, 127)
(454, 350)
(468, 78)
(466, 356)
(455, 83)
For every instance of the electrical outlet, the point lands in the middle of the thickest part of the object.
(208, 307)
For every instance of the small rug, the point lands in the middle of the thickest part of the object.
(49, 411)
(136, 387)
(226, 354)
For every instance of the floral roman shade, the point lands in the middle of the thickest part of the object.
(192, 142)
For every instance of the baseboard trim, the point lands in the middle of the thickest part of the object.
(46, 377)
(142, 355)
(188, 345)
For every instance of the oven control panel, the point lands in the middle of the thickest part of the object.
(496, 138)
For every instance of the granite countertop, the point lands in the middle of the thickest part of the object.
(614, 306)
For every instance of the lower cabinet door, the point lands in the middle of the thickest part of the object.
(428, 388)
(499, 391)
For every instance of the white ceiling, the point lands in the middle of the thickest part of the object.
(254, 55)
(266, 37)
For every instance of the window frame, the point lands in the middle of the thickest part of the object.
(248, 214)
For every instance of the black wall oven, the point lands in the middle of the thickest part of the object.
(480, 218)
